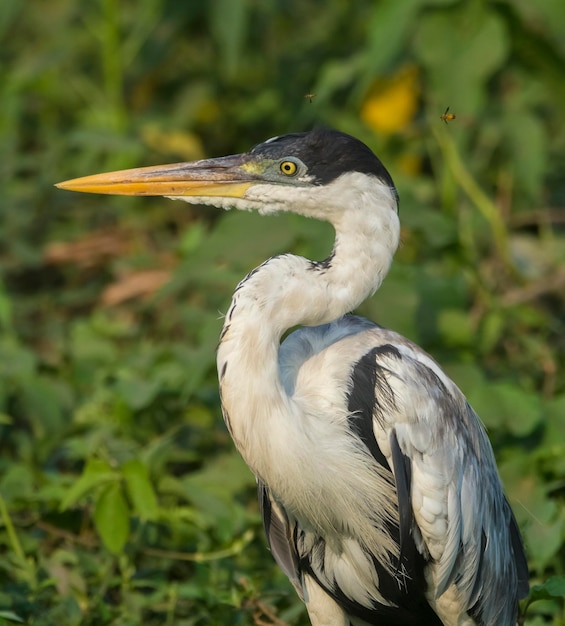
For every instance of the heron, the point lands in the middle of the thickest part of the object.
(378, 487)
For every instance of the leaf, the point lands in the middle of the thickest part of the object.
(554, 436)
(5, 419)
(8, 14)
(527, 144)
(89, 345)
(111, 518)
(396, 302)
(507, 405)
(5, 310)
(438, 291)
(212, 490)
(11, 616)
(17, 362)
(490, 330)
(466, 376)
(192, 238)
(543, 541)
(552, 588)
(140, 490)
(437, 228)
(44, 403)
(17, 483)
(228, 23)
(137, 392)
(456, 328)
(461, 47)
(95, 473)
(387, 16)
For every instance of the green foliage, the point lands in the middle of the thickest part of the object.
(121, 498)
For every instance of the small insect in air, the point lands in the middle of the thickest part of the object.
(309, 97)
(447, 116)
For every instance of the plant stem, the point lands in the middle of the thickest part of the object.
(478, 197)
(27, 565)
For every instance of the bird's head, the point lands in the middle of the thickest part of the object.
(318, 173)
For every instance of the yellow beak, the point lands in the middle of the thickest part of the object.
(229, 177)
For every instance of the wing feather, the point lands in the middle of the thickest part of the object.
(279, 536)
(456, 495)
(458, 547)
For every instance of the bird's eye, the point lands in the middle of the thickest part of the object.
(288, 168)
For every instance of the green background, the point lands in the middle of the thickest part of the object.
(122, 500)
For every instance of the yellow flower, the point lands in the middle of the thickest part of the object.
(391, 103)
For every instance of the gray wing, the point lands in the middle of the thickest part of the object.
(450, 498)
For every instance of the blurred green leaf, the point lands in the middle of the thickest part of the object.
(89, 345)
(491, 330)
(17, 482)
(544, 541)
(528, 146)
(5, 310)
(11, 616)
(140, 490)
(503, 405)
(137, 393)
(396, 302)
(387, 15)
(455, 328)
(43, 403)
(553, 587)
(111, 517)
(18, 362)
(438, 229)
(228, 24)
(96, 473)
(555, 423)
(461, 46)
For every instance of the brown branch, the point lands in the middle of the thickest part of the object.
(87, 540)
(263, 614)
(541, 216)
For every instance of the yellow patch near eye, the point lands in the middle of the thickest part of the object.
(288, 167)
(252, 168)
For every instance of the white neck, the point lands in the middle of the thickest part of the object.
(287, 291)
